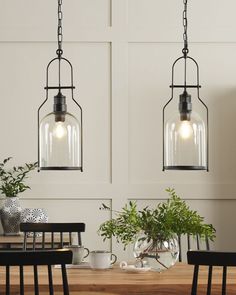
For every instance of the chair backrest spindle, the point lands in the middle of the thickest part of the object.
(52, 240)
(188, 240)
(50, 280)
(70, 238)
(224, 280)
(34, 241)
(198, 243)
(21, 280)
(64, 279)
(36, 283)
(209, 281)
(61, 240)
(7, 280)
(25, 241)
(79, 238)
(180, 248)
(43, 240)
(195, 279)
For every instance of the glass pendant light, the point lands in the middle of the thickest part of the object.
(60, 131)
(185, 119)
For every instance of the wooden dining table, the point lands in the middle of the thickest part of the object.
(174, 281)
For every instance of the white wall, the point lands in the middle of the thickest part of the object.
(122, 52)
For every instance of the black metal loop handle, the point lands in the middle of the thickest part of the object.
(71, 86)
(184, 85)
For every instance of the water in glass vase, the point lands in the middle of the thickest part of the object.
(160, 255)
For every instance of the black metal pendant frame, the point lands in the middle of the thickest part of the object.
(185, 57)
(59, 87)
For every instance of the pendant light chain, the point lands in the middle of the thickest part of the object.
(185, 24)
(59, 29)
(59, 39)
(185, 38)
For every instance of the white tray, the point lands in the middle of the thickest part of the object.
(133, 269)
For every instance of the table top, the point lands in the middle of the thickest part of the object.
(175, 281)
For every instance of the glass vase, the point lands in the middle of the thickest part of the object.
(159, 254)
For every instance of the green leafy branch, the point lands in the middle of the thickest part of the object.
(13, 180)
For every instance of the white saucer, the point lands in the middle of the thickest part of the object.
(133, 269)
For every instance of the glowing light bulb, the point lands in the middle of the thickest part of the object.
(185, 129)
(59, 130)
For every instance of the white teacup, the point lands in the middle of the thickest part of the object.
(101, 259)
(78, 253)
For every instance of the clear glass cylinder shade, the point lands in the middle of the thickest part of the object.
(60, 143)
(185, 143)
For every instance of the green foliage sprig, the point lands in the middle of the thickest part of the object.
(168, 218)
(13, 180)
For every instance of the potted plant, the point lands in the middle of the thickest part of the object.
(12, 183)
(154, 232)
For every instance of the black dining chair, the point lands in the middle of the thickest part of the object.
(210, 259)
(63, 229)
(191, 242)
(46, 258)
